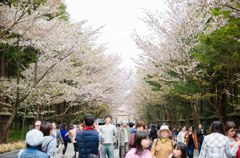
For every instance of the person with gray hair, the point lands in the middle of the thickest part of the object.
(124, 137)
(37, 124)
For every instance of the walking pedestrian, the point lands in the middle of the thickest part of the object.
(57, 135)
(132, 129)
(182, 135)
(140, 149)
(216, 145)
(230, 130)
(179, 151)
(80, 127)
(124, 136)
(109, 133)
(37, 125)
(238, 139)
(66, 139)
(88, 139)
(34, 139)
(140, 126)
(49, 144)
(72, 134)
(200, 135)
(163, 146)
(153, 133)
(192, 142)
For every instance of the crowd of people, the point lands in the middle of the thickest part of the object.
(91, 140)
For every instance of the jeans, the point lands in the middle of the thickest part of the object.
(190, 150)
(107, 150)
(199, 147)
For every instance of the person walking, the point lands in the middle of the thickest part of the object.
(238, 139)
(37, 125)
(182, 136)
(163, 146)
(57, 135)
(124, 136)
(216, 145)
(200, 135)
(34, 139)
(109, 133)
(49, 144)
(140, 126)
(192, 142)
(132, 129)
(153, 133)
(175, 133)
(179, 151)
(230, 130)
(72, 134)
(140, 150)
(88, 139)
(80, 127)
(66, 139)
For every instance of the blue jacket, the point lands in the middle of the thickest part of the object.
(91, 138)
(63, 133)
(31, 152)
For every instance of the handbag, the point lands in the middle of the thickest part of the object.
(85, 148)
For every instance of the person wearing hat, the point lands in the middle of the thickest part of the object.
(163, 146)
(34, 139)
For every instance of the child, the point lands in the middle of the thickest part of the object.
(141, 143)
(179, 151)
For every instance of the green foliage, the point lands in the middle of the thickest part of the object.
(61, 13)
(26, 55)
(154, 84)
(16, 135)
(31, 4)
(185, 88)
(219, 56)
(219, 52)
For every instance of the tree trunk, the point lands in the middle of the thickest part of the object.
(2, 74)
(3, 65)
(6, 128)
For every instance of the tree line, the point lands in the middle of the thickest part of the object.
(52, 67)
(189, 65)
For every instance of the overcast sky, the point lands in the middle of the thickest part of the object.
(120, 18)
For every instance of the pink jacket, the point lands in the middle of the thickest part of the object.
(132, 154)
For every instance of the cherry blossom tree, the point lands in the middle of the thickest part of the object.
(68, 66)
(167, 56)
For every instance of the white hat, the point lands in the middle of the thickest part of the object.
(34, 137)
(164, 127)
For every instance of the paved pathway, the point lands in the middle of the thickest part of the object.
(69, 153)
